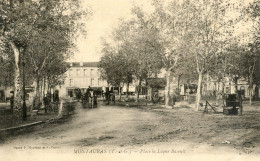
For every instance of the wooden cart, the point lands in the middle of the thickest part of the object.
(233, 105)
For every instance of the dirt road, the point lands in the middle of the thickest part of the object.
(133, 130)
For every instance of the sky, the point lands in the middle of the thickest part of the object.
(105, 17)
(106, 14)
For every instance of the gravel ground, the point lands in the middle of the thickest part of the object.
(144, 131)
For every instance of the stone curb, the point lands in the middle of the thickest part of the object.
(22, 126)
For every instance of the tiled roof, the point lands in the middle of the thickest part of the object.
(90, 64)
(85, 64)
(75, 64)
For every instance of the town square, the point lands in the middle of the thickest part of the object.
(129, 80)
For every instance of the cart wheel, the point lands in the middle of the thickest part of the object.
(225, 112)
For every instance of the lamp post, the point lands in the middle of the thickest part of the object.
(24, 108)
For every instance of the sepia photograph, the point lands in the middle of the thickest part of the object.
(129, 80)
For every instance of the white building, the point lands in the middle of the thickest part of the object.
(82, 75)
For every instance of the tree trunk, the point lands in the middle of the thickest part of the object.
(223, 86)
(44, 87)
(198, 95)
(236, 88)
(250, 89)
(167, 88)
(127, 89)
(223, 91)
(47, 85)
(251, 72)
(36, 103)
(60, 111)
(250, 95)
(120, 95)
(138, 89)
(218, 85)
(41, 90)
(178, 85)
(146, 91)
(17, 84)
(51, 93)
(5, 89)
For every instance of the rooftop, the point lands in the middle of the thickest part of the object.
(84, 64)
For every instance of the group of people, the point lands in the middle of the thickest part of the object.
(47, 99)
(89, 98)
(109, 96)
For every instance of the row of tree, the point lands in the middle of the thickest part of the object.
(37, 37)
(188, 39)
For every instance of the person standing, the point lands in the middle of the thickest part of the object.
(95, 100)
(87, 97)
(113, 98)
(91, 95)
(46, 103)
(107, 97)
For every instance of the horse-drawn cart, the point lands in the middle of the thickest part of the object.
(232, 105)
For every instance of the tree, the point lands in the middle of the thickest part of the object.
(6, 67)
(170, 22)
(185, 70)
(135, 55)
(8, 37)
(111, 65)
(116, 67)
(209, 25)
(144, 48)
(118, 57)
(253, 15)
(40, 28)
(54, 73)
(46, 47)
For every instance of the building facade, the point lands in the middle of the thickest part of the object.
(81, 75)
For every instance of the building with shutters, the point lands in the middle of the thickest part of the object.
(81, 75)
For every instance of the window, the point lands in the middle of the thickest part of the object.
(70, 93)
(91, 72)
(71, 82)
(85, 72)
(91, 81)
(70, 72)
(99, 81)
(78, 72)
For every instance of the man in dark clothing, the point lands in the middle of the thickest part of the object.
(12, 100)
(56, 96)
(87, 96)
(46, 103)
(107, 97)
(83, 98)
(113, 98)
(89, 89)
(95, 100)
